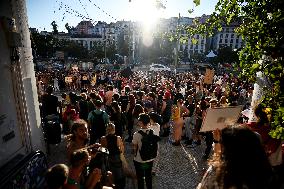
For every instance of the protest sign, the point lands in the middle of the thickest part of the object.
(85, 78)
(68, 79)
(220, 117)
(209, 76)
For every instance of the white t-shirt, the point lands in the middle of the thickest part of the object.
(156, 128)
(137, 140)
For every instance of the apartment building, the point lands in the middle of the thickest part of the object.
(227, 37)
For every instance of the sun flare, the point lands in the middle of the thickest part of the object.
(145, 11)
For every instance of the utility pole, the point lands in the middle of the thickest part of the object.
(105, 41)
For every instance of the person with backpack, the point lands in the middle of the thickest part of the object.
(145, 145)
(97, 120)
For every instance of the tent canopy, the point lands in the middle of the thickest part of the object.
(211, 54)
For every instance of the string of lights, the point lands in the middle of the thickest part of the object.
(84, 7)
(69, 10)
(103, 10)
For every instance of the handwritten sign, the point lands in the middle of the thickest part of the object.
(221, 117)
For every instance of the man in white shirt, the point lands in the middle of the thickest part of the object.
(143, 168)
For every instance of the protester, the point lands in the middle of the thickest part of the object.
(239, 161)
(166, 113)
(79, 160)
(115, 146)
(97, 120)
(273, 147)
(117, 118)
(154, 125)
(56, 176)
(143, 167)
(78, 138)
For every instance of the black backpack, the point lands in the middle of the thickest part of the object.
(149, 146)
(98, 124)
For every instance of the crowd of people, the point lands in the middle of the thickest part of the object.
(107, 110)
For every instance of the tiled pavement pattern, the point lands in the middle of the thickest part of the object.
(179, 167)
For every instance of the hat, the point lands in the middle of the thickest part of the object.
(167, 95)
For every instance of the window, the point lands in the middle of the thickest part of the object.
(237, 40)
(231, 41)
(226, 40)
(220, 41)
(233, 35)
(227, 35)
(221, 35)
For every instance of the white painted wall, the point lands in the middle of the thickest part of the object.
(28, 136)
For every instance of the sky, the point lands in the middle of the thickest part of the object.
(42, 12)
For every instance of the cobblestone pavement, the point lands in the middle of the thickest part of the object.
(179, 167)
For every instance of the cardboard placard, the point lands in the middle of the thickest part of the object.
(85, 78)
(75, 68)
(209, 76)
(68, 80)
(220, 117)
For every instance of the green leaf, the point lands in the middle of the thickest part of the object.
(194, 41)
(255, 66)
(190, 11)
(196, 2)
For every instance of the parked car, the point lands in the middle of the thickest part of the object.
(159, 67)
